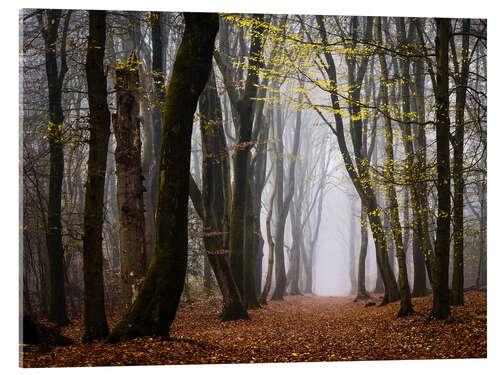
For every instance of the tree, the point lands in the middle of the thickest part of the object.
(359, 172)
(127, 131)
(462, 75)
(96, 326)
(155, 307)
(404, 286)
(49, 21)
(441, 297)
(243, 110)
(215, 201)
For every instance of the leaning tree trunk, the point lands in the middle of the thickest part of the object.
(441, 298)
(155, 307)
(96, 326)
(49, 26)
(359, 173)
(126, 125)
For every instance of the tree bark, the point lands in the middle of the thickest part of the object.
(49, 26)
(154, 310)
(214, 209)
(362, 293)
(130, 190)
(441, 299)
(245, 114)
(95, 323)
(404, 287)
(457, 291)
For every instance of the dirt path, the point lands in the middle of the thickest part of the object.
(298, 329)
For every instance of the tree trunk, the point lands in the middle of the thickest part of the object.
(457, 291)
(245, 115)
(270, 242)
(352, 251)
(422, 248)
(214, 200)
(154, 310)
(359, 172)
(404, 287)
(441, 299)
(96, 326)
(49, 26)
(362, 293)
(130, 190)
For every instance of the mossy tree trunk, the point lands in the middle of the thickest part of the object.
(49, 21)
(441, 298)
(155, 307)
(95, 323)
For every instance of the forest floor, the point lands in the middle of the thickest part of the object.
(304, 328)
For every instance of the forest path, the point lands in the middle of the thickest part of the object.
(298, 329)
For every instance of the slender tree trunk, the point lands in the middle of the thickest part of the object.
(422, 248)
(481, 267)
(457, 292)
(441, 298)
(155, 307)
(49, 26)
(404, 287)
(270, 242)
(250, 243)
(284, 208)
(352, 251)
(96, 326)
(159, 38)
(362, 293)
(359, 172)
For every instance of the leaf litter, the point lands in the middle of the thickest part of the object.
(305, 328)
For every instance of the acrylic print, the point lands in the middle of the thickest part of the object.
(203, 188)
